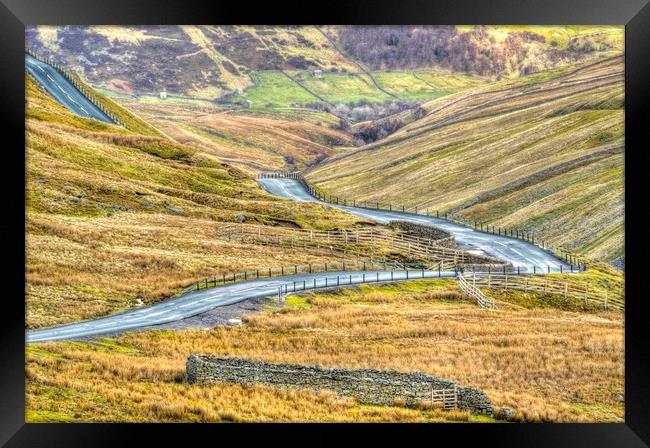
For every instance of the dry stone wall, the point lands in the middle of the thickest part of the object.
(369, 386)
(442, 237)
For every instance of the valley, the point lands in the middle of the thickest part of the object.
(264, 167)
(542, 153)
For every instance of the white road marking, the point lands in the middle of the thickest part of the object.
(166, 312)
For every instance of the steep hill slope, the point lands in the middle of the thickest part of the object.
(251, 141)
(120, 216)
(544, 152)
(212, 61)
(492, 51)
(198, 61)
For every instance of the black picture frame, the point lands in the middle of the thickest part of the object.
(16, 14)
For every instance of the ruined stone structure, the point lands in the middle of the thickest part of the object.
(369, 386)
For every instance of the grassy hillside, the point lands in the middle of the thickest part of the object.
(544, 152)
(198, 61)
(605, 38)
(116, 218)
(494, 52)
(254, 141)
(274, 89)
(546, 364)
(210, 62)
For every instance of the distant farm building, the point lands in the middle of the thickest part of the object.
(163, 95)
(317, 73)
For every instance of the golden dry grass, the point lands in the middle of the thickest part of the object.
(546, 364)
(79, 268)
(115, 218)
(487, 154)
(253, 142)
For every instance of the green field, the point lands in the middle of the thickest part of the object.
(273, 90)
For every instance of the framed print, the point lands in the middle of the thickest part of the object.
(377, 213)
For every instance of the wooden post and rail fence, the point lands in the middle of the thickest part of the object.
(378, 243)
(580, 263)
(411, 270)
(470, 284)
(601, 298)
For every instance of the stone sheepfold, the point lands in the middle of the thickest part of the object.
(368, 386)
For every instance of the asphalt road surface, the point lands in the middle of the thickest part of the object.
(62, 90)
(198, 302)
(521, 254)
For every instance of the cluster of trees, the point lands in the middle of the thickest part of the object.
(379, 126)
(364, 110)
(378, 120)
(374, 131)
(474, 52)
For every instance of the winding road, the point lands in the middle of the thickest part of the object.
(62, 90)
(520, 253)
(198, 302)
